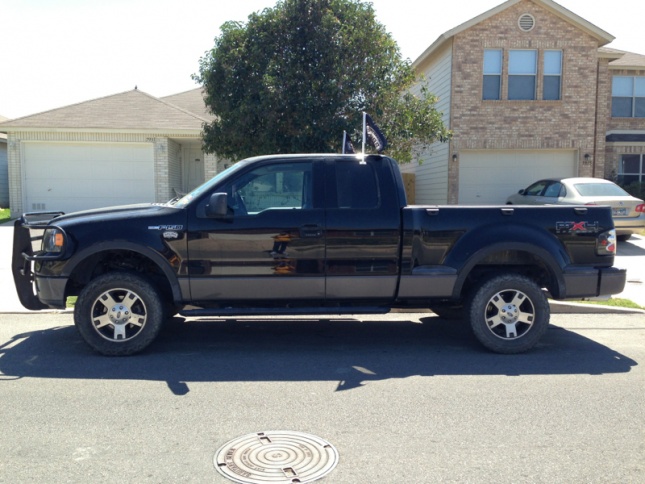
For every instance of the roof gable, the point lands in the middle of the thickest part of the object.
(557, 10)
(191, 101)
(130, 110)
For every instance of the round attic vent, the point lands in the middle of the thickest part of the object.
(526, 22)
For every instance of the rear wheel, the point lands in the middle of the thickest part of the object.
(119, 314)
(508, 313)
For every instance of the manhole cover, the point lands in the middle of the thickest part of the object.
(276, 457)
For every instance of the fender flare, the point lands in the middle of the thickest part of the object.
(553, 265)
(147, 252)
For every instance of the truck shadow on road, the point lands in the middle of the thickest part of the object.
(346, 351)
(630, 249)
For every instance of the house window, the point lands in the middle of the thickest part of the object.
(522, 73)
(632, 169)
(628, 97)
(492, 74)
(552, 80)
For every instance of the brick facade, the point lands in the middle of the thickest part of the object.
(569, 123)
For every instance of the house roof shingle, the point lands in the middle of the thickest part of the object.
(130, 110)
(623, 59)
(192, 101)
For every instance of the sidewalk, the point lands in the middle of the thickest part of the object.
(631, 254)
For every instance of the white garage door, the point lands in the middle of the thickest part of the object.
(489, 177)
(78, 176)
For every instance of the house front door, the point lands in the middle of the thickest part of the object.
(193, 168)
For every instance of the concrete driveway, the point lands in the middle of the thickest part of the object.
(631, 254)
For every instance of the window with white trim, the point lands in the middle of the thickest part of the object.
(628, 97)
(492, 74)
(632, 169)
(552, 75)
(522, 75)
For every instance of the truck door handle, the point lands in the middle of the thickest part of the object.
(311, 231)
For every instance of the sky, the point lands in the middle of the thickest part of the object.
(61, 52)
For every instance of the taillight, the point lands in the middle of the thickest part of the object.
(640, 208)
(606, 243)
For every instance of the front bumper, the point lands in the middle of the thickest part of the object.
(35, 293)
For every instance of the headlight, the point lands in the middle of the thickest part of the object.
(53, 240)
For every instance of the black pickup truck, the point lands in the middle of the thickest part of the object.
(312, 235)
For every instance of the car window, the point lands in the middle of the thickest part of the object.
(553, 190)
(279, 186)
(356, 185)
(536, 189)
(600, 190)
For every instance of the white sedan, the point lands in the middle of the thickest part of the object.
(628, 211)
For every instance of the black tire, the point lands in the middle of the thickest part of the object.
(119, 313)
(624, 237)
(508, 313)
(449, 311)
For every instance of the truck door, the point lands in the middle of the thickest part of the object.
(271, 246)
(363, 230)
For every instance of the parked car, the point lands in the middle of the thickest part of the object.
(628, 211)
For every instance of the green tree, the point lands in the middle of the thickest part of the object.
(294, 77)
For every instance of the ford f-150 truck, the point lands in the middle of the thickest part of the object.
(312, 235)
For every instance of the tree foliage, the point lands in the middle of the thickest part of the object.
(294, 77)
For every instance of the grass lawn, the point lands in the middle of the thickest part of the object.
(616, 302)
(5, 215)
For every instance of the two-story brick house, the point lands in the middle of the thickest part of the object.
(529, 90)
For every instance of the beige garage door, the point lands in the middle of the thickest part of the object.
(489, 177)
(79, 176)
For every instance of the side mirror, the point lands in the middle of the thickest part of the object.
(217, 205)
(521, 192)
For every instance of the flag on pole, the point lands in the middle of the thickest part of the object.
(373, 133)
(348, 147)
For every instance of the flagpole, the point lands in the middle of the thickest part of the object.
(364, 130)
(344, 140)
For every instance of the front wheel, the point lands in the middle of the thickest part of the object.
(508, 313)
(119, 314)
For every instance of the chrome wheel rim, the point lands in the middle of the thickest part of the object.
(509, 314)
(119, 315)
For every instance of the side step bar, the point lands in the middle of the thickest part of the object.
(315, 311)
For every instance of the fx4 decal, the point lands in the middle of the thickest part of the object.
(577, 227)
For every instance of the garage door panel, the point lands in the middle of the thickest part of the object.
(77, 176)
(489, 177)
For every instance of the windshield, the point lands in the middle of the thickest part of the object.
(600, 190)
(189, 197)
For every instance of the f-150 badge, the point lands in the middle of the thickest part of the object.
(165, 227)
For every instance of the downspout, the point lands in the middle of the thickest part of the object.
(595, 121)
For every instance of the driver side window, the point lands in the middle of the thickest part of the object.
(553, 190)
(270, 187)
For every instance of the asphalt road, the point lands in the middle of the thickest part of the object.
(403, 400)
